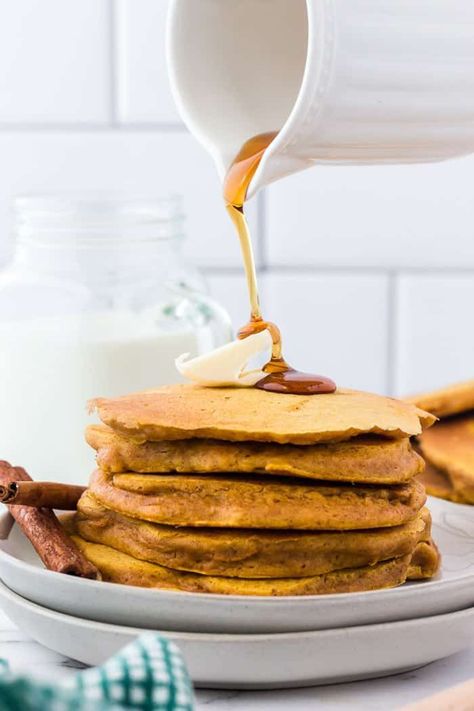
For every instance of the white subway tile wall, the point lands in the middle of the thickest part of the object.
(389, 217)
(345, 317)
(55, 62)
(141, 78)
(377, 263)
(434, 329)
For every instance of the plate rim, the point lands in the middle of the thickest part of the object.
(33, 607)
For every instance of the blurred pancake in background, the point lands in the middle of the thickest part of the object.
(447, 401)
(448, 447)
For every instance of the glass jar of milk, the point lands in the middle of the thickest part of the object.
(98, 301)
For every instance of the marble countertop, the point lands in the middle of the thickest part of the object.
(389, 694)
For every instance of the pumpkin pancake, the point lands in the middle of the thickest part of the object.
(437, 483)
(239, 502)
(240, 414)
(118, 567)
(447, 401)
(245, 553)
(370, 460)
(425, 560)
(449, 449)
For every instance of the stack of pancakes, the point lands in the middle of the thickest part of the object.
(448, 447)
(248, 492)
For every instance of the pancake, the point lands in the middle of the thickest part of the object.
(447, 401)
(240, 414)
(449, 448)
(239, 502)
(437, 484)
(425, 561)
(370, 460)
(118, 567)
(244, 553)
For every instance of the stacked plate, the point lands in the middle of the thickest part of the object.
(260, 642)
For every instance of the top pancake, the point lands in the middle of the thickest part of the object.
(447, 401)
(187, 411)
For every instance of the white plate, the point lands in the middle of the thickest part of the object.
(452, 590)
(261, 661)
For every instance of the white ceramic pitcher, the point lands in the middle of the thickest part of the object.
(344, 81)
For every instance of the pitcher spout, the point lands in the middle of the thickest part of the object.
(341, 82)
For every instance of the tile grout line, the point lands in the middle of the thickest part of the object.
(338, 270)
(262, 232)
(77, 126)
(392, 332)
(323, 268)
(113, 68)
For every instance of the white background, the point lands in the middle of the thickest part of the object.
(369, 271)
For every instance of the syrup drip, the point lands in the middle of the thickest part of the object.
(281, 378)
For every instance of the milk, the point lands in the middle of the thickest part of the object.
(50, 368)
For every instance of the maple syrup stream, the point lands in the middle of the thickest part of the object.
(281, 378)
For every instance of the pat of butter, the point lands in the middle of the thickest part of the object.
(227, 365)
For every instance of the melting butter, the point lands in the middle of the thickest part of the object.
(228, 365)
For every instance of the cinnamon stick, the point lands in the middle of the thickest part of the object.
(42, 528)
(39, 494)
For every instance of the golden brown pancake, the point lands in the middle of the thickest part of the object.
(425, 561)
(447, 401)
(247, 553)
(241, 414)
(239, 502)
(371, 460)
(436, 483)
(121, 568)
(449, 448)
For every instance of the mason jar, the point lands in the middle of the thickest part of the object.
(98, 301)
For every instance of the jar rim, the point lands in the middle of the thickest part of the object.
(97, 215)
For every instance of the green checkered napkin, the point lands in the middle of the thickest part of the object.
(149, 675)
